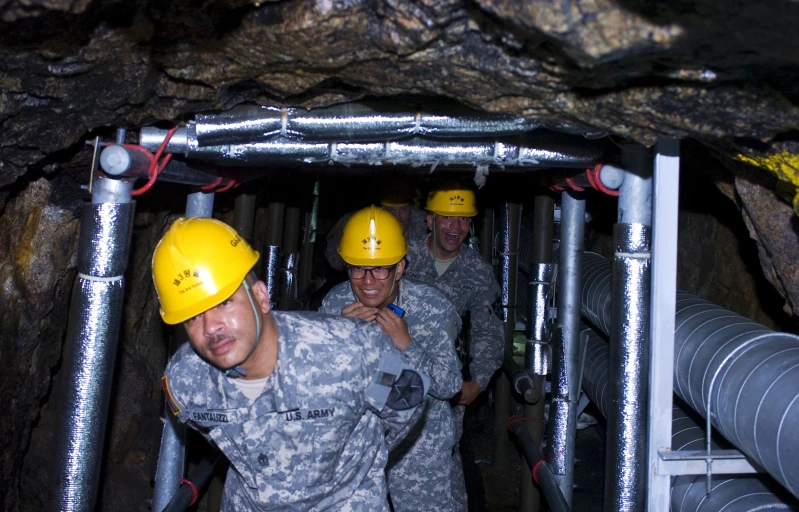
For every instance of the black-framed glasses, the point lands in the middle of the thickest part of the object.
(379, 273)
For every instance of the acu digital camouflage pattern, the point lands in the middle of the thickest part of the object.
(470, 285)
(419, 469)
(313, 440)
(417, 226)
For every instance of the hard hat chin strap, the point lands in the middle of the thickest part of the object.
(237, 371)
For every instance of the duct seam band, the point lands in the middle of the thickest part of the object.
(284, 120)
(100, 279)
(418, 126)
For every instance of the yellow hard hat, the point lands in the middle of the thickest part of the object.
(198, 264)
(372, 237)
(452, 202)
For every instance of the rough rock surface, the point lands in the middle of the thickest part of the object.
(722, 74)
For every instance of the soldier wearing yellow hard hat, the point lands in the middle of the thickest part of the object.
(443, 260)
(258, 384)
(423, 324)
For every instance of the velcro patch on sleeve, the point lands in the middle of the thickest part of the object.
(170, 400)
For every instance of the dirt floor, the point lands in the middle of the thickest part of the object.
(497, 489)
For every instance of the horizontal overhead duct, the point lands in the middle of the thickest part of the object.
(538, 149)
(742, 372)
(361, 121)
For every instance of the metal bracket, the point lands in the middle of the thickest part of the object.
(699, 462)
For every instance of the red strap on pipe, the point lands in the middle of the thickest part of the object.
(535, 470)
(195, 494)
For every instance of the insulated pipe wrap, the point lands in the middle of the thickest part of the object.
(629, 370)
(272, 272)
(105, 233)
(90, 352)
(750, 374)
(747, 493)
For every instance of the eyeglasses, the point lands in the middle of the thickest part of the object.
(379, 273)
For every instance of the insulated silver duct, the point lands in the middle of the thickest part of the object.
(749, 372)
(92, 335)
(533, 150)
(272, 273)
(562, 427)
(629, 369)
(356, 121)
(729, 494)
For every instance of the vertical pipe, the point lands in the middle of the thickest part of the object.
(565, 347)
(664, 287)
(487, 235)
(308, 240)
(536, 348)
(509, 265)
(626, 460)
(274, 239)
(172, 453)
(288, 266)
(89, 355)
(244, 215)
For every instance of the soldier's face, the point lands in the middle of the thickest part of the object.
(449, 233)
(402, 213)
(376, 293)
(225, 334)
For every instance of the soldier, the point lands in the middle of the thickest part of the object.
(305, 406)
(396, 197)
(423, 324)
(441, 259)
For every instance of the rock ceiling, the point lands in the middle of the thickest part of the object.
(720, 73)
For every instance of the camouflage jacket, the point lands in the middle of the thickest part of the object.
(470, 285)
(417, 226)
(433, 325)
(318, 436)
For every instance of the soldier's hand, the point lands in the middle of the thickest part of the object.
(358, 310)
(469, 391)
(395, 327)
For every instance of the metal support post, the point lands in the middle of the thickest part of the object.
(244, 215)
(90, 352)
(664, 292)
(509, 265)
(562, 425)
(626, 458)
(172, 454)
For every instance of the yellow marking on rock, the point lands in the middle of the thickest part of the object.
(784, 165)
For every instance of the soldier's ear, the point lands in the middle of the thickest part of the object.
(261, 296)
(400, 270)
(429, 219)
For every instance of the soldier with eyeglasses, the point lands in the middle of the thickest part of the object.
(423, 325)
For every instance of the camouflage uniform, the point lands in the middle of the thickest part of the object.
(417, 226)
(318, 436)
(470, 284)
(419, 469)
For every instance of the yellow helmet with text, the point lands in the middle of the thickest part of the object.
(372, 237)
(198, 264)
(452, 201)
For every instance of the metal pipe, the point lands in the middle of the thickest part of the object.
(274, 241)
(539, 468)
(308, 240)
(172, 452)
(124, 162)
(688, 493)
(521, 381)
(534, 150)
(565, 348)
(90, 352)
(626, 460)
(510, 221)
(287, 291)
(244, 215)
(199, 478)
(625, 473)
(357, 121)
